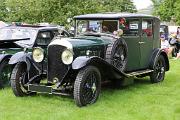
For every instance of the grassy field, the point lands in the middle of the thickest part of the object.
(140, 101)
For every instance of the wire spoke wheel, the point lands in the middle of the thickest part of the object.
(119, 60)
(19, 79)
(116, 54)
(159, 70)
(87, 86)
(5, 73)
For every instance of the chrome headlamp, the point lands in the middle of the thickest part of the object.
(38, 54)
(67, 56)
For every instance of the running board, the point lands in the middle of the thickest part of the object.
(140, 72)
(45, 89)
(40, 88)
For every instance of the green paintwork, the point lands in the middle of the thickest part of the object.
(10, 51)
(133, 52)
(88, 41)
(139, 55)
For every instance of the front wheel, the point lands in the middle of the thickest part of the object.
(159, 70)
(87, 86)
(19, 78)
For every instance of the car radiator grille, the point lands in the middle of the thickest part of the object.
(56, 69)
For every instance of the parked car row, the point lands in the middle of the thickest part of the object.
(17, 41)
(106, 46)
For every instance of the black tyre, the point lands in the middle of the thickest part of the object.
(19, 78)
(159, 70)
(5, 73)
(87, 86)
(116, 54)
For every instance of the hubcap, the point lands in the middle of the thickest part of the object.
(122, 57)
(93, 87)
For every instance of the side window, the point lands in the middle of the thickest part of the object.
(147, 28)
(44, 38)
(130, 27)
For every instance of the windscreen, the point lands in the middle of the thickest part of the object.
(19, 33)
(96, 26)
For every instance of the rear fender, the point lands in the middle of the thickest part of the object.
(156, 53)
(101, 64)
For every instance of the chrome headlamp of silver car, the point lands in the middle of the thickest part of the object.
(38, 54)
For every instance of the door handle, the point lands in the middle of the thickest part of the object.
(141, 42)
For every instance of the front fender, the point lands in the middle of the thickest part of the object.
(80, 62)
(20, 57)
(24, 57)
(4, 56)
(100, 63)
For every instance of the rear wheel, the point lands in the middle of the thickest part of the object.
(19, 79)
(159, 70)
(87, 86)
(5, 72)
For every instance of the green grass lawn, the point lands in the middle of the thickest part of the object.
(140, 101)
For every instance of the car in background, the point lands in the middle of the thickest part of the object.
(19, 40)
(164, 30)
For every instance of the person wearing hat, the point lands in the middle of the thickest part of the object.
(165, 44)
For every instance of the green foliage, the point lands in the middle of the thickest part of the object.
(177, 12)
(57, 11)
(3, 10)
(167, 9)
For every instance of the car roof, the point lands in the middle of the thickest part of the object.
(32, 27)
(111, 15)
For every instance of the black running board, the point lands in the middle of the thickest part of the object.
(40, 88)
(140, 72)
(45, 89)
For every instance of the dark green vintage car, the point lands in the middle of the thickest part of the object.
(109, 46)
(14, 39)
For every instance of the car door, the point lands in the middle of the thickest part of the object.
(146, 43)
(131, 34)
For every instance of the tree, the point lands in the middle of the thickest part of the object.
(3, 10)
(177, 12)
(57, 11)
(167, 9)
